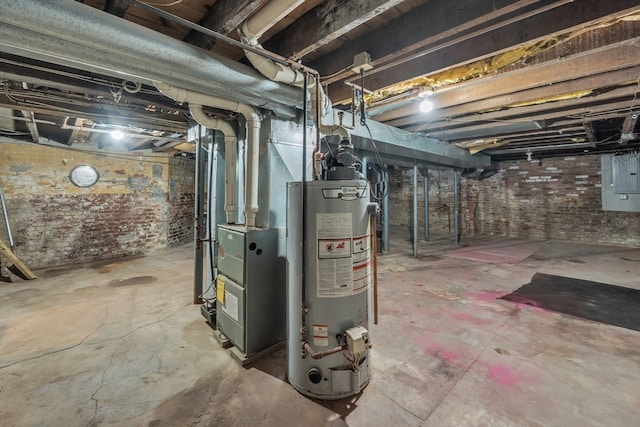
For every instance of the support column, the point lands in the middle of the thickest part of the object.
(415, 210)
(456, 209)
(385, 212)
(425, 185)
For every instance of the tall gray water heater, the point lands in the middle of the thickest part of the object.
(328, 295)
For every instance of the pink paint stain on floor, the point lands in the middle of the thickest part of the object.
(506, 376)
(503, 375)
(469, 318)
(435, 348)
(485, 295)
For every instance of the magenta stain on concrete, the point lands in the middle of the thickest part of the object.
(466, 317)
(503, 375)
(435, 348)
(485, 295)
(507, 377)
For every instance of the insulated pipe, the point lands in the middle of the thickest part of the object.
(67, 32)
(230, 153)
(253, 138)
(265, 18)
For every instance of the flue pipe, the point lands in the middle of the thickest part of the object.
(230, 153)
(258, 24)
(253, 136)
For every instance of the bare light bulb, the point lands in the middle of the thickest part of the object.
(426, 106)
(116, 134)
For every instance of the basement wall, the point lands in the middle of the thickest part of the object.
(141, 204)
(554, 199)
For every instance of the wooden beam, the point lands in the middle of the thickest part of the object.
(425, 25)
(325, 23)
(579, 112)
(31, 124)
(539, 27)
(501, 102)
(116, 7)
(22, 267)
(223, 16)
(628, 128)
(613, 57)
(591, 133)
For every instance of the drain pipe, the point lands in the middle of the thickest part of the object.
(230, 153)
(253, 138)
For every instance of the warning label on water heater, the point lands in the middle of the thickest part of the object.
(361, 264)
(335, 266)
(320, 335)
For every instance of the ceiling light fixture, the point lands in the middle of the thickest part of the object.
(117, 135)
(425, 105)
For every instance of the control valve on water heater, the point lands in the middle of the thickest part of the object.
(330, 273)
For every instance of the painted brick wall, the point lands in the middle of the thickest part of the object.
(140, 204)
(557, 198)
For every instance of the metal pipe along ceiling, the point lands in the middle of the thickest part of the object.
(67, 32)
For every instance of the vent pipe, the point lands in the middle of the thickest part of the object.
(230, 153)
(253, 138)
(258, 24)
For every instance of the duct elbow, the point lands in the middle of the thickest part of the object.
(173, 92)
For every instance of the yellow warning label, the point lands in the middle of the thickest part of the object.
(220, 289)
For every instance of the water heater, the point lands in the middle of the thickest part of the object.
(329, 278)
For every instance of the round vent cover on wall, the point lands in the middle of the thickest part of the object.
(84, 175)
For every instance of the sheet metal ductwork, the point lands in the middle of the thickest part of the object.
(67, 32)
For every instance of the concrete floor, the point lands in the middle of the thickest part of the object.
(120, 344)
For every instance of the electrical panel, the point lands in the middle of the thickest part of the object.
(626, 173)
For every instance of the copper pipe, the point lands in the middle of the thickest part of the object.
(374, 257)
(321, 354)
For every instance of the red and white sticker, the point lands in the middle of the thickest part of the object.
(334, 248)
(320, 335)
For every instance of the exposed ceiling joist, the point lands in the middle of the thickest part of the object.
(324, 24)
(628, 127)
(548, 95)
(541, 26)
(427, 24)
(31, 124)
(116, 7)
(613, 57)
(223, 16)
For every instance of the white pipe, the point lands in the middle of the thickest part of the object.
(265, 18)
(282, 74)
(230, 153)
(253, 135)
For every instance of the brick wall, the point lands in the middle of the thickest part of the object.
(140, 204)
(557, 198)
